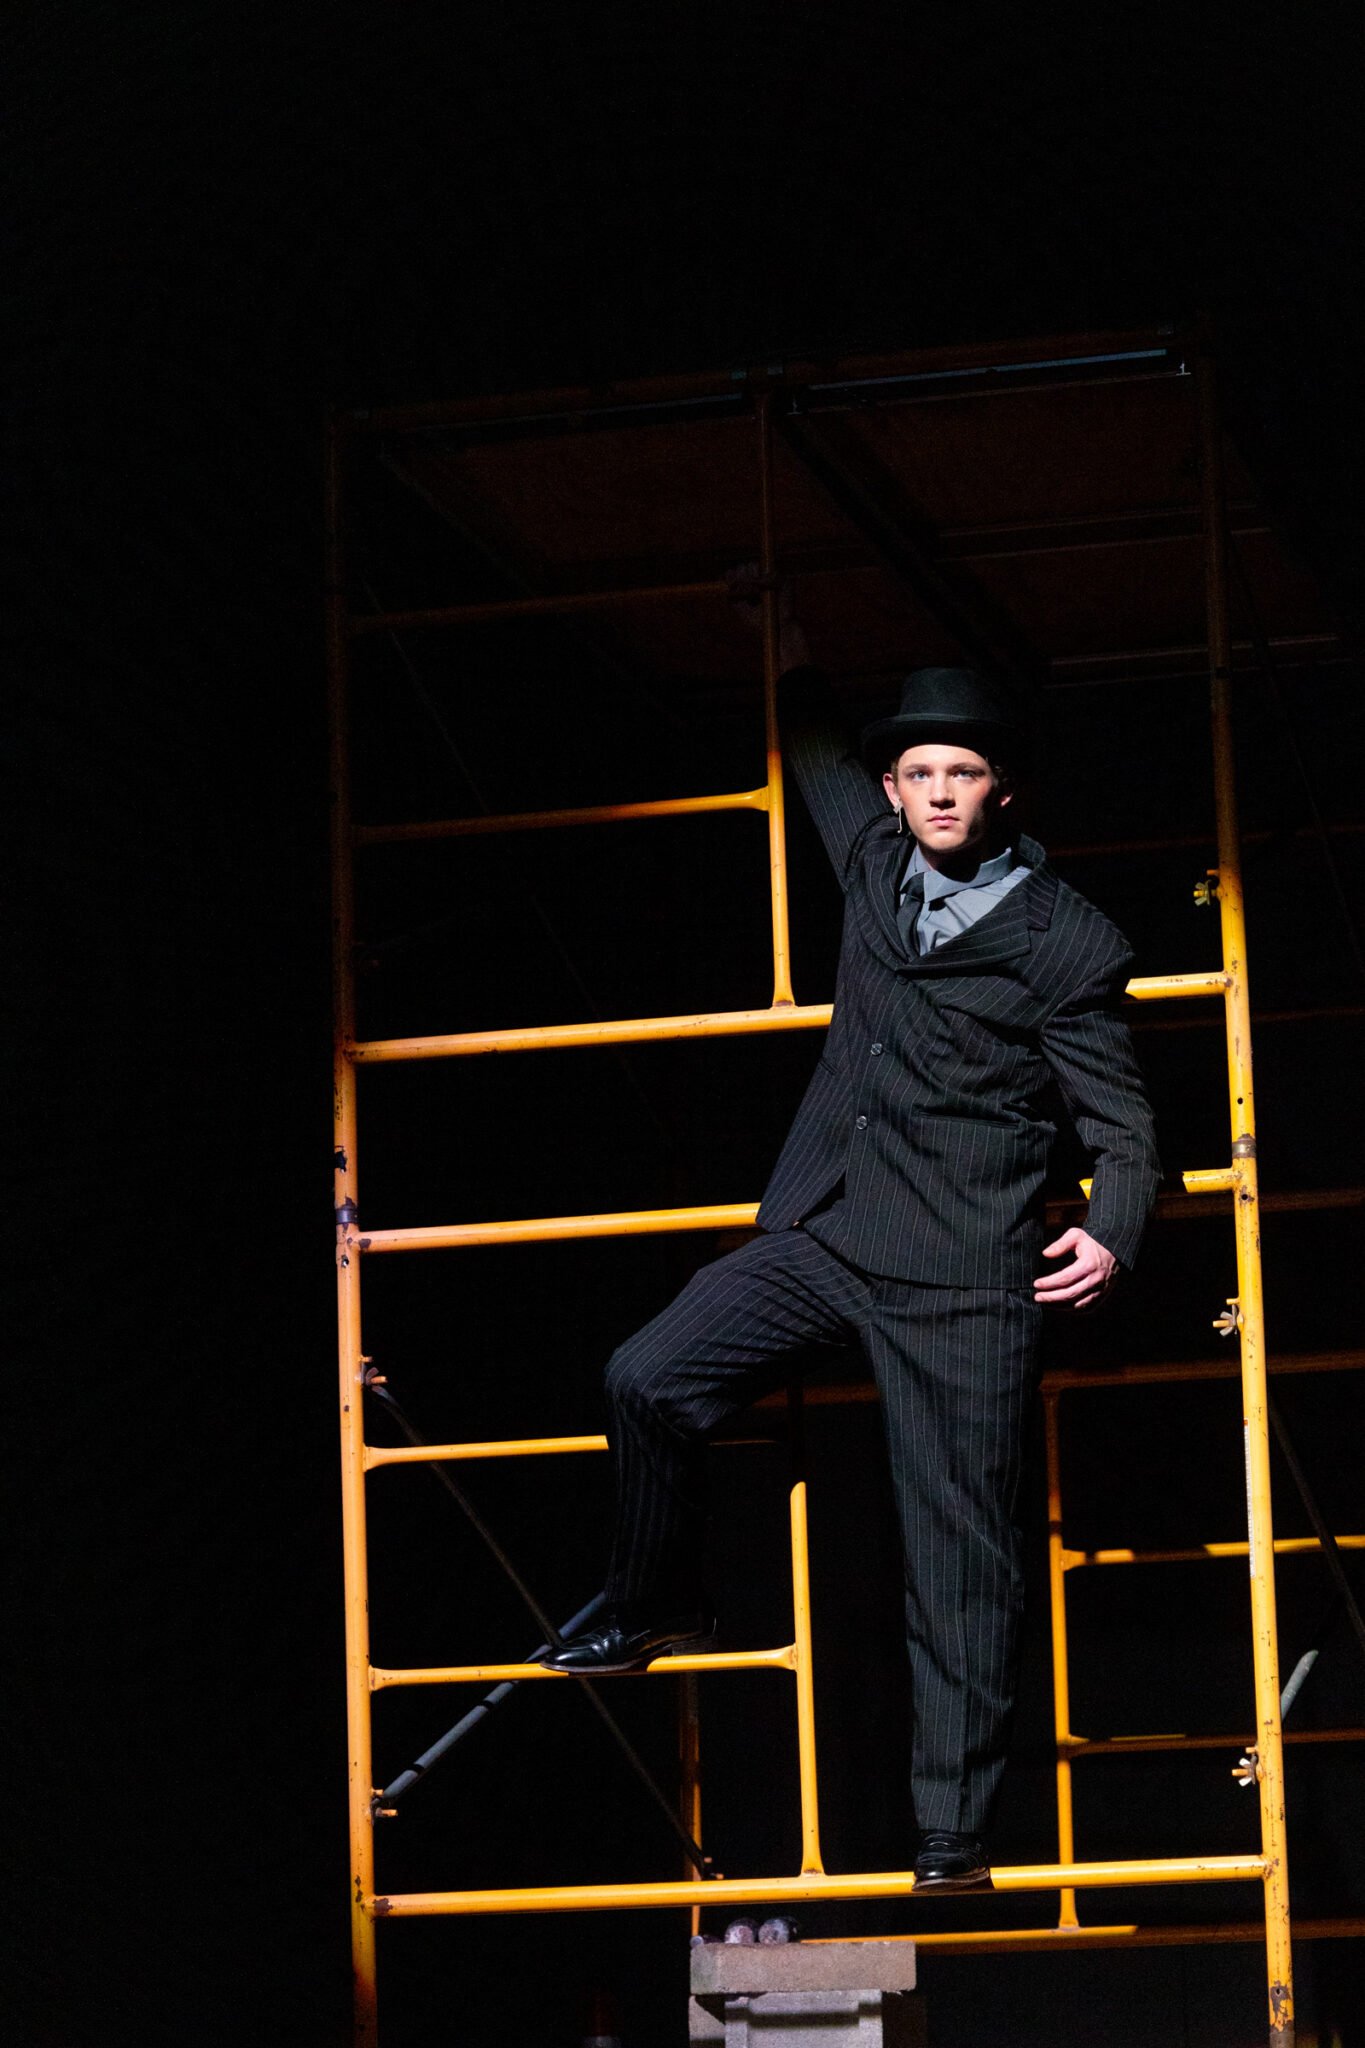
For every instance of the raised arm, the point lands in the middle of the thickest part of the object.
(817, 746)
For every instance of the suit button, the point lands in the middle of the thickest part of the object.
(876, 1047)
(861, 1124)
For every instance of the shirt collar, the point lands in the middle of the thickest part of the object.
(937, 885)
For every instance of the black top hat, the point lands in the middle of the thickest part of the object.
(951, 706)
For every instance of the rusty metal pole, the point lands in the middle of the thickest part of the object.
(1248, 1312)
(777, 833)
(350, 1363)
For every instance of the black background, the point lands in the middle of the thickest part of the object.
(220, 221)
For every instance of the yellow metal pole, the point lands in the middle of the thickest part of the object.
(784, 1658)
(689, 1767)
(1061, 1681)
(1237, 1009)
(532, 1229)
(503, 1447)
(349, 1361)
(777, 834)
(559, 821)
(805, 1685)
(1204, 1553)
(1164, 988)
(879, 1884)
(615, 1031)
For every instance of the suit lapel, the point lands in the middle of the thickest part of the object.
(875, 904)
(1003, 934)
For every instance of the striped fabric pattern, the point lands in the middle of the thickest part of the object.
(956, 1368)
(904, 1218)
(931, 1099)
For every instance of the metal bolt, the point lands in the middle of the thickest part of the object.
(1207, 892)
(1247, 1770)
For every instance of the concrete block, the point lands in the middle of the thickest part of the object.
(828, 1994)
(809, 2019)
(750, 1971)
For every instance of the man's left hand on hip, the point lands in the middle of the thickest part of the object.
(1085, 1281)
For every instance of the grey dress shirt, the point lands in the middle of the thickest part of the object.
(951, 906)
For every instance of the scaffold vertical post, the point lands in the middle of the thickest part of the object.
(777, 826)
(1061, 1682)
(689, 1767)
(811, 1860)
(1251, 1321)
(350, 1364)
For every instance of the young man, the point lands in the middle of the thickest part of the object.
(905, 1216)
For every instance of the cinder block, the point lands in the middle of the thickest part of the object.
(809, 2019)
(827, 1994)
(750, 1971)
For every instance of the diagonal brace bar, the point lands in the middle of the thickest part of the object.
(476, 1716)
(1331, 1550)
(550, 1634)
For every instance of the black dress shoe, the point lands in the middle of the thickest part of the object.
(949, 1862)
(623, 1643)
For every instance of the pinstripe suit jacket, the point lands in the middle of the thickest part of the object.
(934, 1098)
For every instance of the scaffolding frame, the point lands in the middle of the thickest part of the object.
(1237, 1180)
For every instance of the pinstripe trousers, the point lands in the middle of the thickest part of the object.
(956, 1368)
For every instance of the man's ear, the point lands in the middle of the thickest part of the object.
(889, 785)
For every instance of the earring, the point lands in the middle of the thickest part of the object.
(900, 820)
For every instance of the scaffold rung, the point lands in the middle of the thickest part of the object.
(783, 1659)
(727, 1891)
(371, 1052)
(543, 821)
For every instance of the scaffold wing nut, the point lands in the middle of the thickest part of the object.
(1247, 1769)
(1231, 1319)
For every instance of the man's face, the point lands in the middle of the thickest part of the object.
(951, 798)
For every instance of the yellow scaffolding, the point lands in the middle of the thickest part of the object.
(1237, 1179)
